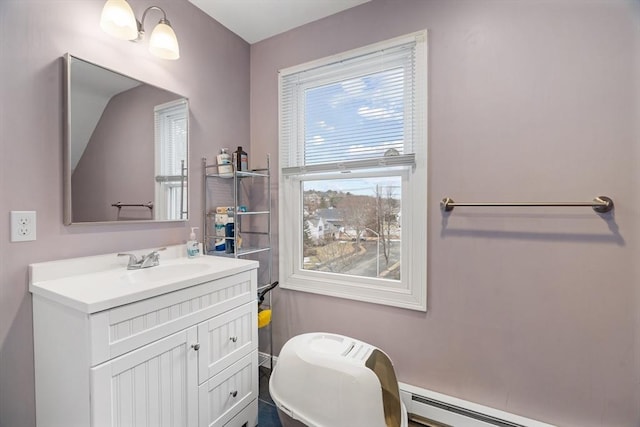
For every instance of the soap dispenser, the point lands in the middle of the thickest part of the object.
(193, 249)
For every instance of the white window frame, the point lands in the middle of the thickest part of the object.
(411, 291)
(169, 189)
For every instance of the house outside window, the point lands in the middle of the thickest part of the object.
(353, 158)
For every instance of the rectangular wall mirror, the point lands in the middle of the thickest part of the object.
(126, 148)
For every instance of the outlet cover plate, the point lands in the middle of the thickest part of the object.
(23, 226)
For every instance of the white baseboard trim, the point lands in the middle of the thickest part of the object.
(457, 412)
(263, 359)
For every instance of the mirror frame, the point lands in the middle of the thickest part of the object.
(67, 172)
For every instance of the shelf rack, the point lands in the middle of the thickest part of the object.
(252, 228)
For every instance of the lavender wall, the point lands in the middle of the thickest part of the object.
(213, 72)
(532, 311)
(118, 164)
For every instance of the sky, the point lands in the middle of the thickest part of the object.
(355, 119)
(357, 186)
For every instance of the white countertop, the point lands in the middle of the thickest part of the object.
(97, 283)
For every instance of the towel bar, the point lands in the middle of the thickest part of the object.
(601, 204)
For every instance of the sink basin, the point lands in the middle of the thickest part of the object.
(102, 282)
(166, 272)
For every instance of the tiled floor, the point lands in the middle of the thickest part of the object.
(267, 413)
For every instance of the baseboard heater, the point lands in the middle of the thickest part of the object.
(449, 411)
(472, 415)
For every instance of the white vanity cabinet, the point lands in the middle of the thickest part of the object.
(155, 385)
(185, 355)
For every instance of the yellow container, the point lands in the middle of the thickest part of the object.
(264, 318)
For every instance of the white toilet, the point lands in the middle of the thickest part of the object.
(328, 380)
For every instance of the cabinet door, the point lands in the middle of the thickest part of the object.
(227, 338)
(155, 385)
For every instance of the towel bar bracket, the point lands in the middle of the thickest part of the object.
(606, 206)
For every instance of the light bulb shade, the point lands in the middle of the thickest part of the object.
(118, 20)
(163, 42)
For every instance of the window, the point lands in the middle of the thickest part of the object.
(353, 160)
(171, 122)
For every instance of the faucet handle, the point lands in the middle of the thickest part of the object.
(154, 253)
(132, 258)
(152, 259)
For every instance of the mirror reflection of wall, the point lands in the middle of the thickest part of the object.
(127, 144)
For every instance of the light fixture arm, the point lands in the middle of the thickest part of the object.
(140, 23)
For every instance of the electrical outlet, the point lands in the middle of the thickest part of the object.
(23, 226)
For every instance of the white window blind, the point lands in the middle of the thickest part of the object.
(350, 110)
(171, 128)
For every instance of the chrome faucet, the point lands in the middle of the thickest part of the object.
(150, 260)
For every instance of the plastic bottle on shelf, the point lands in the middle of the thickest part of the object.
(241, 160)
(225, 168)
(229, 229)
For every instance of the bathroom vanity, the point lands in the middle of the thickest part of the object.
(171, 345)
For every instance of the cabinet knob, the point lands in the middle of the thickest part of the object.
(233, 339)
(196, 347)
(233, 393)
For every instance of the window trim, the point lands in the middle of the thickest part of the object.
(411, 293)
(165, 185)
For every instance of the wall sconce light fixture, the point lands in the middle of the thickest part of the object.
(118, 20)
